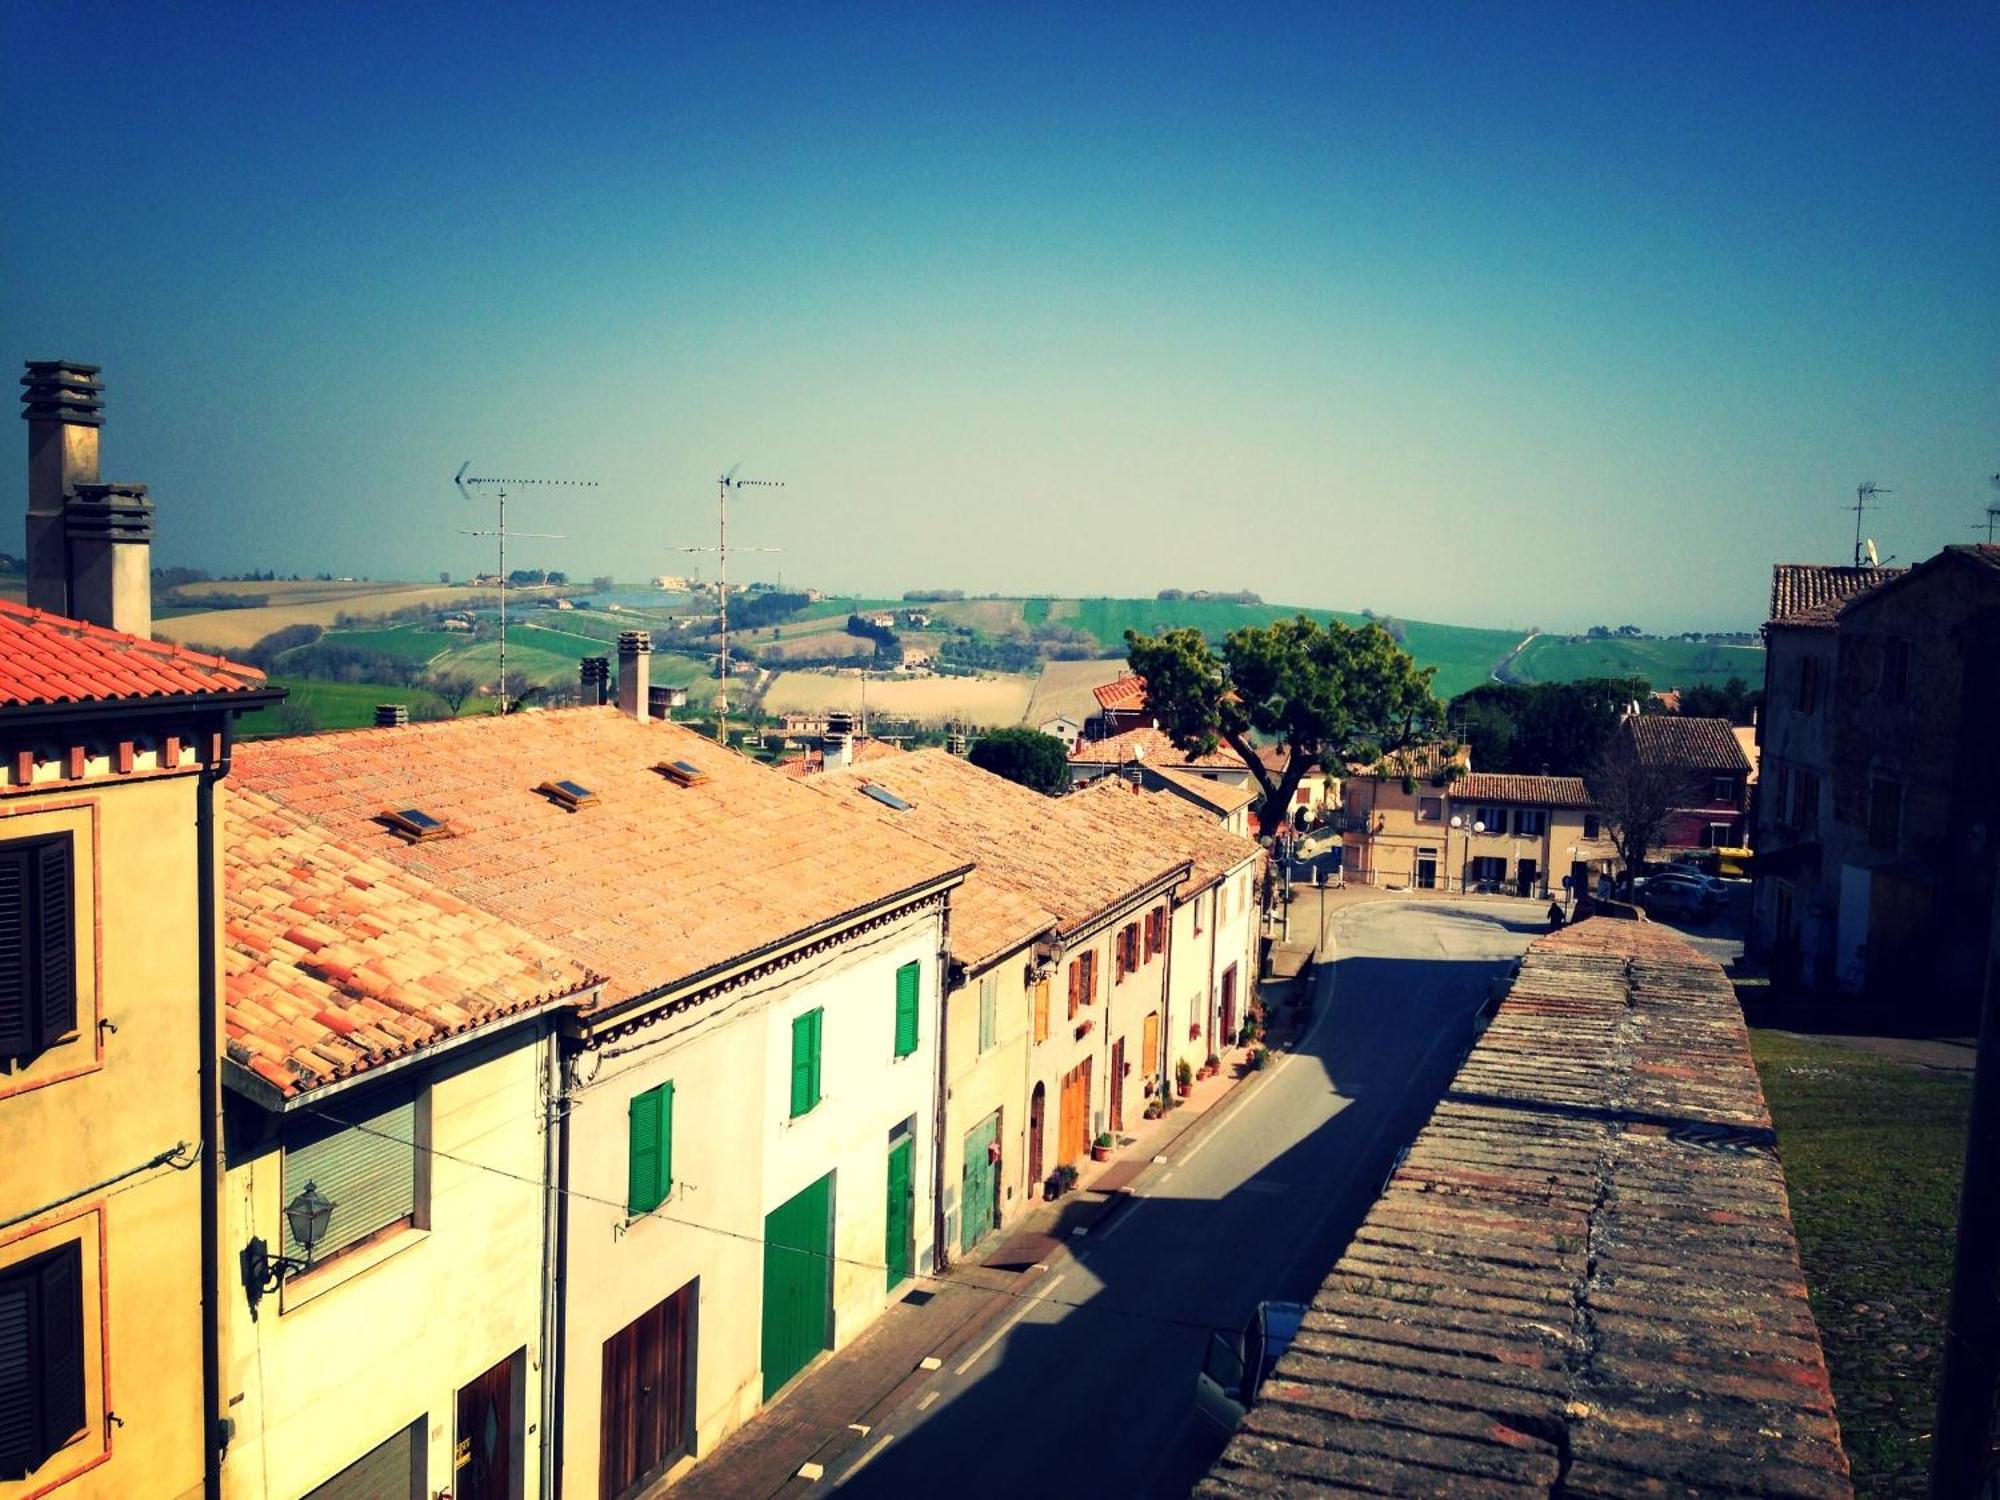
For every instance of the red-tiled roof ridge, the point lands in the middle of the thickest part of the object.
(1126, 694)
(338, 962)
(1180, 828)
(48, 658)
(1153, 746)
(1685, 743)
(1531, 791)
(1810, 594)
(1582, 1278)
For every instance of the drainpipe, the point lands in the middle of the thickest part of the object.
(215, 1433)
(940, 1251)
(1166, 1013)
(555, 1245)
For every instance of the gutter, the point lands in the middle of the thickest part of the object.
(208, 1028)
(239, 700)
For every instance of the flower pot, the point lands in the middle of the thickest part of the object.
(1183, 1089)
(1100, 1153)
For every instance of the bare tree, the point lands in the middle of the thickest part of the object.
(453, 687)
(1635, 796)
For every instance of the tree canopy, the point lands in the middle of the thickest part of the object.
(1035, 760)
(1327, 692)
(1636, 796)
(1555, 727)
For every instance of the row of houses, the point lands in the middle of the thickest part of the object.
(1873, 873)
(510, 1105)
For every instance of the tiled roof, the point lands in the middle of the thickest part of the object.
(1529, 791)
(1169, 824)
(337, 962)
(1686, 744)
(1125, 694)
(47, 658)
(1810, 594)
(1153, 746)
(1582, 1279)
(1225, 797)
(1035, 855)
(814, 760)
(1418, 760)
(1982, 557)
(650, 884)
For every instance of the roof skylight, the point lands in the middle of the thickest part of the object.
(414, 824)
(884, 796)
(569, 794)
(682, 772)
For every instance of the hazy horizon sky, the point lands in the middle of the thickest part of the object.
(1490, 315)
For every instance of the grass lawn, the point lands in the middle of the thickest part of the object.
(1665, 664)
(344, 705)
(412, 643)
(1873, 1151)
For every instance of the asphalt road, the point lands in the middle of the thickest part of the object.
(1088, 1388)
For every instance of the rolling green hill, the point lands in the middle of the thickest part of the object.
(1663, 663)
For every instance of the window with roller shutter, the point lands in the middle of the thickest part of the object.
(390, 1469)
(41, 1358)
(37, 945)
(365, 1167)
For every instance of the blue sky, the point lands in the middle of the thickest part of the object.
(1529, 315)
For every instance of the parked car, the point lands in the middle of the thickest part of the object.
(1236, 1367)
(1681, 892)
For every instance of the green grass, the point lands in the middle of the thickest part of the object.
(1034, 611)
(1665, 664)
(411, 643)
(1873, 1151)
(344, 705)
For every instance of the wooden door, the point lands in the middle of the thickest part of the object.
(979, 1186)
(798, 1283)
(1074, 1134)
(643, 1405)
(1149, 1050)
(1116, 1084)
(1229, 1006)
(483, 1466)
(1038, 1107)
(899, 1250)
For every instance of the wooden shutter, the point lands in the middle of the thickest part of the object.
(368, 1172)
(14, 1028)
(18, 1378)
(907, 979)
(62, 1344)
(989, 1004)
(1149, 1050)
(41, 1358)
(805, 1062)
(1042, 1010)
(55, 917)
(649, 1144)
(1075, 986)
(1090, 977)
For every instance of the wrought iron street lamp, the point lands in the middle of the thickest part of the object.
(308, 1216)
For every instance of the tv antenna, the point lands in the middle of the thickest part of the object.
(1864, 492)
(723, 485)
(1992, 513)
(468, 485)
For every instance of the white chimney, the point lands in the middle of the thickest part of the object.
(635, 662)
(90, 545)
(837, 744)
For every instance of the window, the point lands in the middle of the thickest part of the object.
(1127, 956)
(1430, 809)
(1082, 980)
(989, 1008)
(1221, 904)
(41, 1358)
(1156, 931)
(1808, 695)
(366, 1168)
(1494, 819)
(1895, 670)
(649, 1172)
(1781, 797)
(1805, 802)
(1722, 789)
(391, 1468)
(1042, 1010)
(1489, 867)
(37, 945)
(1719, 836)
(805, 1061)
(1885, 814)
(1197, 916)
(1590, 825)
(907, 983)
(1530, 822)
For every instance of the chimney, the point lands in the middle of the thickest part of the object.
(596, 674)
(954, 742)
(837, 744)
(635, 648)
(63, 413)
(108, 529)
(392, 716)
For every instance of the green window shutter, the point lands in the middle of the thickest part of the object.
(649, 1167)
(989, 1005)
(805, 1062)
(906, 1009)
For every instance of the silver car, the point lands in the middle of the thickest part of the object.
(1236, 1367)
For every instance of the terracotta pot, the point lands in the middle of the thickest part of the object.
(1100, 1153)
(1182, 1088)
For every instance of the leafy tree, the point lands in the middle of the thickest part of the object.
(453, 687)
(1735, 701)
(1024, 755)
(1557, 727)
(1635, 796)
(1328, 692)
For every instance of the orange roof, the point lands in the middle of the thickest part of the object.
(1125, 694)
(1682, 743)
(1811, 594)
(814, 761)
(47, 658)
(652, 883)
(1225, 797)
(1530, 791)
(1165, 822)
(1153, 746)
(1038, 858)
(337, 962)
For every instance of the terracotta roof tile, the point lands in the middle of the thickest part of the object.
(650, 885)
(1225, 797)
(1153, 746)
(1677, 741)
(1169, 824)
(1582, 1279)
(309, 926)
(1529, 791)
(814, 761)
(1125, 694)
(47, 658)
(1416, 760)
(1811, 594)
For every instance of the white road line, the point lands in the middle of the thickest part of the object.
(1002, 1331)
(866, 1456)
(929, 1400)
(1121, 1221)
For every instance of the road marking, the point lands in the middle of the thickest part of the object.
(866, 1456)
(811, 1473)
(929, 1400)
(1005, 1328)
(930, 1362)
(1166, 1174)
(861, 1427)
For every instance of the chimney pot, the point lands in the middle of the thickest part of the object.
(635, 650)
(107, 533)
(596, 674)
(391, 715)
(63, 411)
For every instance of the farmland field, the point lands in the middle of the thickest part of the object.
(239, 629)
(985, 701)
(1663, 663)
(1065, 688)
(346, 705)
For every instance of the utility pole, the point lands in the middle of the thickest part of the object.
(723, 485)
(466, 485)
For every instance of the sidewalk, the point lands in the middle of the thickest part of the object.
(829, 1411)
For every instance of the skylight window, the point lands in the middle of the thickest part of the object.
(569, 794)
(416, 825)
(682, 772)
(886, 797)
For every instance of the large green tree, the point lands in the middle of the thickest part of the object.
(1557, 728)
(1328, 693)
(1025, 755)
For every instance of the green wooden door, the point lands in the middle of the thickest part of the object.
(798, 1283)
(978, 1199)
(899, 1250)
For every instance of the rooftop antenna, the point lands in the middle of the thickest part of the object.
(1992, 513)
(723, 485)
(1864, 492)
(468, 485)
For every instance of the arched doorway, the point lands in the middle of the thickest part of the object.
(1037, 1108)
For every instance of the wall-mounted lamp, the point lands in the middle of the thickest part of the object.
(308, 1216)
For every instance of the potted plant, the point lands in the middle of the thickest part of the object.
(1061, 1180)
(1100, 1149)
(1211, 1067)
(1084, 1028)
(1194, 1031)
(1154, 1109)
(1258, 1057)
(1183, 1077)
